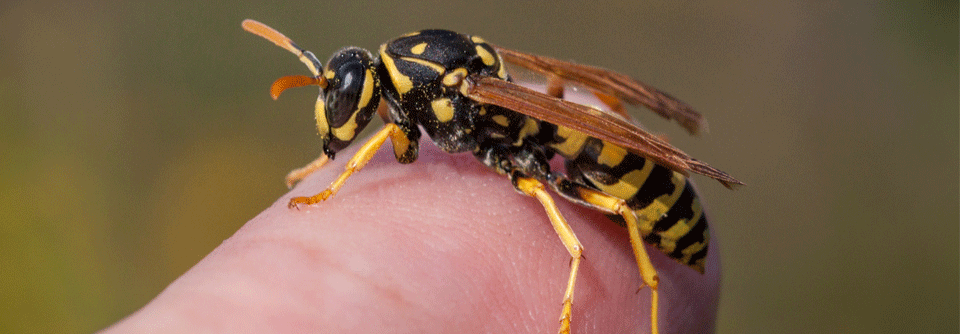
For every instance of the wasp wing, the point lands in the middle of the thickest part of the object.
(593, 122)
(614, 85)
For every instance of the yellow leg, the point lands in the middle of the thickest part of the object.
(298, 174)
(648, 274)
(534, 188)
(356, 163)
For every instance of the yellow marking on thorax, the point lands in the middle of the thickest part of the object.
(572, 144)
(502, 120)
(367, 93)
(400, 81)
(433, 66)
(628, 185)
(454, 77)
(477, 39)
(530, 127)
(419, 48)
(660, 205)
(487, 58)
(611, 155)
(443, 109)
(329, 74)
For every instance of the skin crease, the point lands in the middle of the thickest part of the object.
(438, 246)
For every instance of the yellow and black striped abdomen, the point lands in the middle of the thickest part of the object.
(665, 202)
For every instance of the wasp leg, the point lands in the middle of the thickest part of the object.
(356, 163)
(524, 166)
(534, 188)
(590, 197)
(298, 174)
(404, 145)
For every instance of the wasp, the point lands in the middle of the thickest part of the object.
(456, 88)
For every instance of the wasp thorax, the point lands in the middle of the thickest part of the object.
(349, 100)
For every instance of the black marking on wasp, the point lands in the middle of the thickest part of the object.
(456, 88)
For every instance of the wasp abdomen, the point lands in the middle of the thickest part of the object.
(664, 201)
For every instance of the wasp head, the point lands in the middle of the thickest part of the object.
(349, 88)
(349, 95)
(349, 99)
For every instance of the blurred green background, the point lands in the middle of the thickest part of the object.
(135, 137)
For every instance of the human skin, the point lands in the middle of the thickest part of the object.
(438, 246)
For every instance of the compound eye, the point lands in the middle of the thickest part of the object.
(351, 97)
(344, 95)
